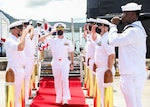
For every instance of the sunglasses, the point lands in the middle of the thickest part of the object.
(26, 23)
(99, 24)
(20, 27)
(60, 28)
(92, 23)
(39, 24)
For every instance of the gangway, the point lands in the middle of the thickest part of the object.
(46, 69)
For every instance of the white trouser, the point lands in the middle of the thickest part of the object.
(29, 64)
(19, 78)
(131, 87)
(100, 79)
(100, 71)
(61, 74)
(91, 63)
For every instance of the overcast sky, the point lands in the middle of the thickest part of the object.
(51, 10)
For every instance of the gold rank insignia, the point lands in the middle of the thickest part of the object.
(66, 44)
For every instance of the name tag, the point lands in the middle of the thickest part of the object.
(99, 43)
(66, 44)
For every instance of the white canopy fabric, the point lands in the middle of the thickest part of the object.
(4, 23)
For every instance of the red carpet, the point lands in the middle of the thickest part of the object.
(46, 94)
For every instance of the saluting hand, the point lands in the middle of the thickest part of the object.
(94, 29)
(115, 20)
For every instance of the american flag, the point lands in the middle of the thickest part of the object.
(46, 26)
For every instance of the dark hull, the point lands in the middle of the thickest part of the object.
(110, 8)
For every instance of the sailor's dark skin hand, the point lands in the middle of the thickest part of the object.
(108, 76)
(115, 20)
(94, 67)
(88, 61)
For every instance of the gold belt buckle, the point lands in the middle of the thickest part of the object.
(59, 59)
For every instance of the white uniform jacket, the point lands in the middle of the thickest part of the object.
(59, 49)
(15, 58)
(132, 47)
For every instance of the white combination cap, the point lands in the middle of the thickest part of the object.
(15, 24)
(91, 20)
(25, 20)
(103, 21)
(59, 25)
(40, 22)
(131, 7)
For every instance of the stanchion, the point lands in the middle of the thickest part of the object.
(39, 73)
(41, 55)
(108, 89)
(30, 88)
(117, 71)
(10, 88)
(87, 78)
(81, 68)
(96, 95)
(32, 83)
(90, 79)
(22, 95)
(33, 77)
(85, 75)
(39, 59)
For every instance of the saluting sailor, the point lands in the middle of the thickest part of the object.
(37, 34)
(89, 47)
(88, 36)
(60, 47)
(29, 50)
(104, 56)
(14, 46)
(132, 53)
(37, 30)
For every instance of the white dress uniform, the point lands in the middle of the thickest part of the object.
(92, 52)
(16, 61)
(102, 51)
(87, 47)
(132, 58)
(37, 34)
(90, 46)
(60, 65)
(29, 50)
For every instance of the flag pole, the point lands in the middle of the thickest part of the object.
(72, 30)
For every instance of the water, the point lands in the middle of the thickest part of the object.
(76, 39)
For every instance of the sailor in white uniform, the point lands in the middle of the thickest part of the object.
(29, 50)
(37, 30)
(90, 44)
(132, 53)
(37, 34)
(14, 46)
(60, 47)
(104, 56)
(89, 33)
(89, 48)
